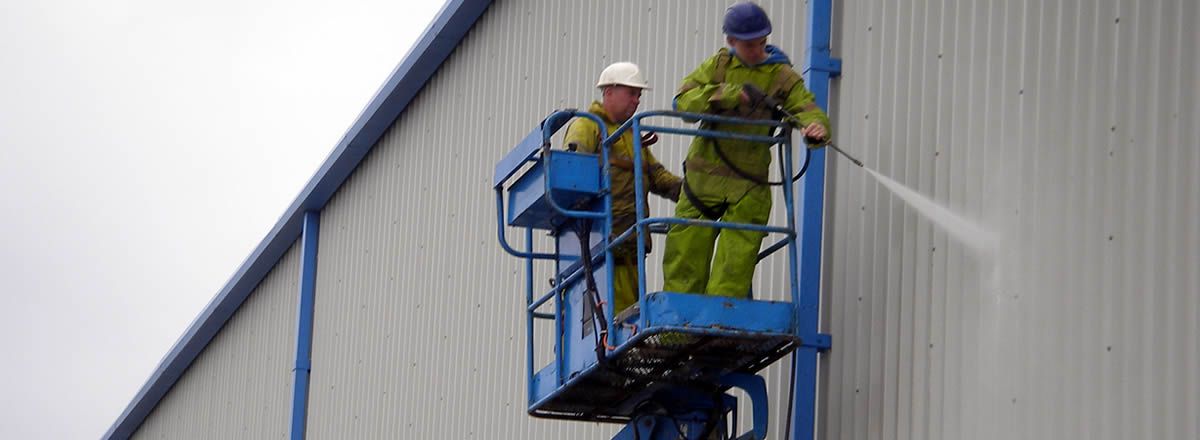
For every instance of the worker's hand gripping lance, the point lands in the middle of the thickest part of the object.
(759, 98)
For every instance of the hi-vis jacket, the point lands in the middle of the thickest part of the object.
(716, 87)
(584, 136)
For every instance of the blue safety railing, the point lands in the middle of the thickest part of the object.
(535, 149)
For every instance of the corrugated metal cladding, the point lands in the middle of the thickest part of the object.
(241, 385)
(419, 328)
(1070, 130)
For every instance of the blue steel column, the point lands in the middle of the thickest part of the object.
(529, 313)
(819, 67)
(639, 214)
(308, 279)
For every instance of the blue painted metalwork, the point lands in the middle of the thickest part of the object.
(639, 192)
(718, 312)
(527, 196)
(819, 67)
(764, 331)
(538, 205)
(685, 414)
(529, 317)
(706, 133)
(675, 427)
(304, 322)
(504, 239)
(756, 388)
(525, 151)
(433, 47)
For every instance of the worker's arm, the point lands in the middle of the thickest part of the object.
(698, 94)
(583, 136)
(802, 104)
(662, 182)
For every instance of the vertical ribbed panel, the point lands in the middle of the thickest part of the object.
(419, 328)
(241, 385)
(1070, 129)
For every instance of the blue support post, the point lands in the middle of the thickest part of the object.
(559, 355)
(640, 213)
(308, 279)
(819, 68)
(606, 229)
(530, 313)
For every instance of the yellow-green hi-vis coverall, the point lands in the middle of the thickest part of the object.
(738, 195)
(584, 136)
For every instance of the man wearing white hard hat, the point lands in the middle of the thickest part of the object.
(621, 85)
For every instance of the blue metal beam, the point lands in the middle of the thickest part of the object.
(304, 322)
(819, 67)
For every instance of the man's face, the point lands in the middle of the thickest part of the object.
(621, 102)
(750, 52)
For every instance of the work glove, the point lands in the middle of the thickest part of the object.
(671, 192)
(649, 138)
(758, 99)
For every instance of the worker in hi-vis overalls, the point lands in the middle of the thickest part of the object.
(621, 86)
(726, 179)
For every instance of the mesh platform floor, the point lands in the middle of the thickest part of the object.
(657, 361)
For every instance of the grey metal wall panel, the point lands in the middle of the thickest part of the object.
(419, 329)
(1067, 128)
(1070, 129)
(240, 387)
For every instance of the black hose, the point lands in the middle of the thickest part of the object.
(787, 430)
(745, 175)
(807, 160)
(739, 171)
(583, 229)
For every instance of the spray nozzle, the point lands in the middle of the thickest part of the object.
(839, 150)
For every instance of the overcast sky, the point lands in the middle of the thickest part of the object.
(146, 148)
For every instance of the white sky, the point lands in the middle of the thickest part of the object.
(146, 148)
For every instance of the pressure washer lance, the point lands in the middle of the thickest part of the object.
(839, 150)
(758, 97)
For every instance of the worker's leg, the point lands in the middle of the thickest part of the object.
(689, 248)
(625, 285)
(737, 250)
(624, 256)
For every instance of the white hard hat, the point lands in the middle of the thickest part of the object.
(624, 74)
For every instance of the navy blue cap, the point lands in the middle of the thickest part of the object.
(746, 21)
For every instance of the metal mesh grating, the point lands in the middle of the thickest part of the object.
(660, 360)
